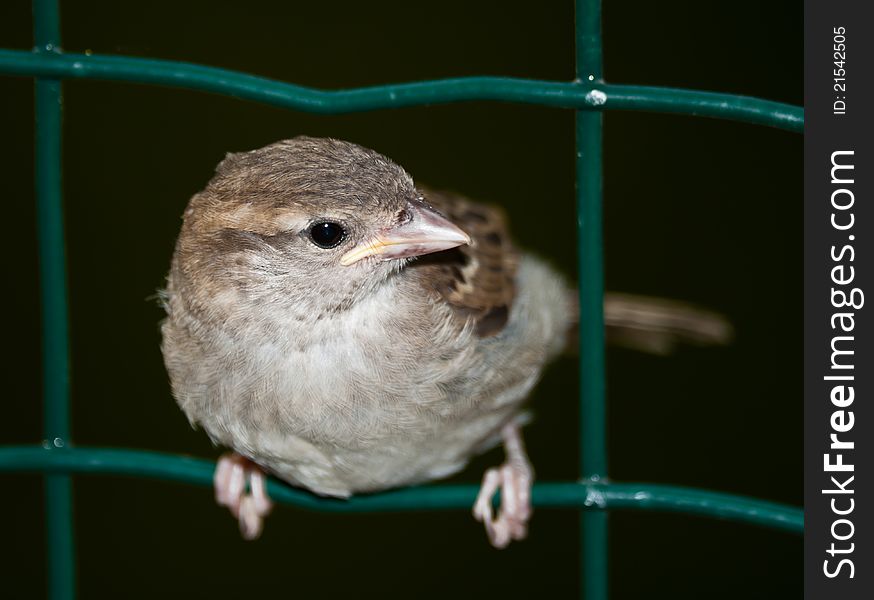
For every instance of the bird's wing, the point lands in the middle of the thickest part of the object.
(476, 280)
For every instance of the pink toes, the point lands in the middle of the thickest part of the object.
(240, 485)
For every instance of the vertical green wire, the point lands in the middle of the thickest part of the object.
(53, 279)
(593, 417)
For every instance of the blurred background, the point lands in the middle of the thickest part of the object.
(696, 209)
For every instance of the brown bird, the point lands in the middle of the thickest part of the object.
(308, 331)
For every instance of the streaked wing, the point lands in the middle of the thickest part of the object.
(477, 280)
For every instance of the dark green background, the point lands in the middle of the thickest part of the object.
(696, 209)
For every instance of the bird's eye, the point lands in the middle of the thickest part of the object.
(326, 234)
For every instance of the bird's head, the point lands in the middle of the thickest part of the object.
(321, 221)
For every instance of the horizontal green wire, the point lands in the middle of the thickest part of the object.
(185, 469)
(574, 95)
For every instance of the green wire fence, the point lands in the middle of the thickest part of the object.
(588, 95)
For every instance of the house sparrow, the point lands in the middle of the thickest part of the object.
(308, 331)
(348, 331)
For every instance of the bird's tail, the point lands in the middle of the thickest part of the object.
(658, 325)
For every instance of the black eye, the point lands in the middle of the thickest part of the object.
(327, 234)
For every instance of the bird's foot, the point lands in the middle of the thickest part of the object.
(241, 485)
(514, 478)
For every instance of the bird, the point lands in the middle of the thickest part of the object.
(346, 330)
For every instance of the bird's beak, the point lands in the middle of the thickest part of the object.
(424, 232)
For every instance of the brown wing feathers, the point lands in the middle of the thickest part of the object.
(477, 280)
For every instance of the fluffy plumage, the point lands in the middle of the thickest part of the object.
(356, 378)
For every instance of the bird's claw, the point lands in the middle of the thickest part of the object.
(514, 479)
(241, 486)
